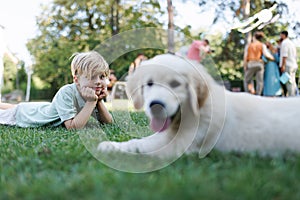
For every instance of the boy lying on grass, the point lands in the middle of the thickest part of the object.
(73, 104)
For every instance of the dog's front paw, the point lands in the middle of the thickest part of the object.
(108, 146)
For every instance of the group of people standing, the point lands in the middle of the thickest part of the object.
(268, 62)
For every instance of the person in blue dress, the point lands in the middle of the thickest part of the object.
(272, 85)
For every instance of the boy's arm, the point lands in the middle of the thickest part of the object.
(283, 64)
(245, 58)
(80, 120)
(103, 114)
(284, 55)
(266, 53)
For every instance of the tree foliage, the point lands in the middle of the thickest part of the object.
(66, 27)
(229, 52)
(14, 76)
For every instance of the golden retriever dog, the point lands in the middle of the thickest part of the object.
(190, 112)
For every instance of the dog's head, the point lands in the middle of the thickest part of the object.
(165, 85)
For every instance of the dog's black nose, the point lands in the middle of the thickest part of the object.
(157, 104)
(157, 108)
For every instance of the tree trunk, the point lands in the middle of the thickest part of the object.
(246, 14)
(114, 17)
(27, 98)
(170, 27)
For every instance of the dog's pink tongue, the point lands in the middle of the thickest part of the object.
(159, 125)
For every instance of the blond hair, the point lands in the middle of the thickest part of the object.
(88, 64)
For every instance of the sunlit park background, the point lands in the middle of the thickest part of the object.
(53, 163)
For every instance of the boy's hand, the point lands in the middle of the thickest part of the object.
(88, 94)
(103, 94)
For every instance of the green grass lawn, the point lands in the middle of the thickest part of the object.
(53, 163)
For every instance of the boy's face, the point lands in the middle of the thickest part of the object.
(97, 82)
(282, 36)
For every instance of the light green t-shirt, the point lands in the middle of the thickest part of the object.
(65, 105)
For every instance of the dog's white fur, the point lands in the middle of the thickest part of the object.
(210, 116)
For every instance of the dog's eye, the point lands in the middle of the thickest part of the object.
(150, 83)
(174, 83)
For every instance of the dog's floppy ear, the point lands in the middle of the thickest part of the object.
(134, 90)
(198, 91)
